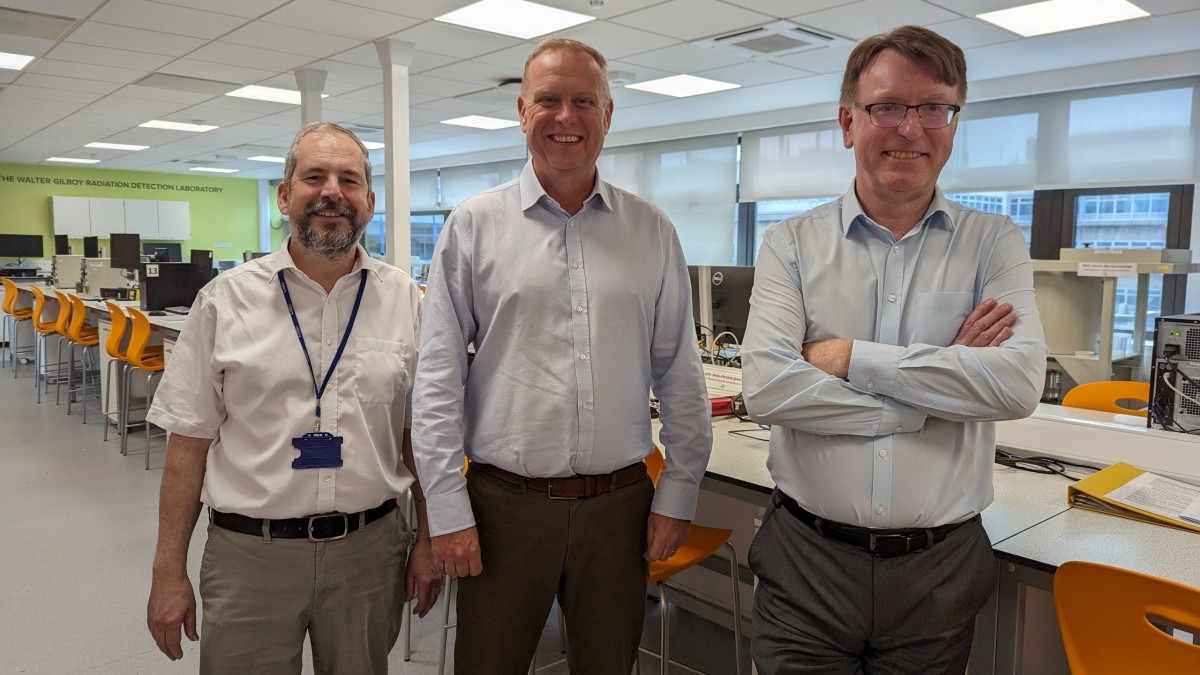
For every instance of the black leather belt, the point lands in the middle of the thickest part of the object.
(321, 527)
(570, 487)
(881, 542)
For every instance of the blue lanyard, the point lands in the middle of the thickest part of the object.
(362, 285)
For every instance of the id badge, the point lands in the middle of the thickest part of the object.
(318, 450)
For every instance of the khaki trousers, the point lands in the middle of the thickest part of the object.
(261, 599)
(587, 552)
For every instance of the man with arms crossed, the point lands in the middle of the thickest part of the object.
(304, 534)
(881, 386)
(576, 297)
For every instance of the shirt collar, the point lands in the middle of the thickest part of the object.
(852, 211)
(532, 191)
(282, 259)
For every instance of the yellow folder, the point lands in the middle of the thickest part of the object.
(1094, 493)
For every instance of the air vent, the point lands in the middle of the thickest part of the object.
(197, 162)
(34, 24)
(194, 85)
(773, 40)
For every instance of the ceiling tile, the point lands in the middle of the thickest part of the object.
(615, 41)
(121, 37)
(21, 44)
(243, 55)
(825, 60)
(23, 92)
(290, 40)
(249, 9)
(785, 9)
(166, 18)
(68, 83)
(220, 72)
(437, 86)
(693, 19)
(339, 19)
(426, 9)
(474, 72)
(440, 38)
(76, 9)
(970, 33)
(119, 58)
(754, 73)
(85, 70)
(686, 58)
(864, 19)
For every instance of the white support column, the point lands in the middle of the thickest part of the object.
(311, 83)
(265, 198)
(396, 56)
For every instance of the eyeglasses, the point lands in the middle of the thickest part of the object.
(930, 115)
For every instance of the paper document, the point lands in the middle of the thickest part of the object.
(1129, 492)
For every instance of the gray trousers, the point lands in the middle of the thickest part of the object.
(823, 606)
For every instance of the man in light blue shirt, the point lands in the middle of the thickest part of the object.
(575, 295)
(888, 330)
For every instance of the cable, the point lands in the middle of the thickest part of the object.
(1173, 388)
(1046, 465)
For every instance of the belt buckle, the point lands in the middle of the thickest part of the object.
(345, 526)
(550, 489)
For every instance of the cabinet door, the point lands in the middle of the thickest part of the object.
(71, 216)
(141, 217)
(174, 220)
(108, 216)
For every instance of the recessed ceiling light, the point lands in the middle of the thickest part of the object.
(681, 86)
(1054, 16)
(272, 94)
(515, 18)
(116, 146)
(72, 160)
(14, 61)
(481, 122)
(372, 145)
(177, 126)
(267, 158)
(211, 169)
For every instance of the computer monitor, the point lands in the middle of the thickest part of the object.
(20, 245)
(202, 267)
(126, 251)
(62, 245)
(91, 247)
(171, 252)
(247, 256)
(731, 288)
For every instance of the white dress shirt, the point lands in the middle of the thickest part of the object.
(908, 439)
(574, 319)
(238, 375)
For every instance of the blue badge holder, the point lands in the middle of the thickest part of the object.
(318, 450)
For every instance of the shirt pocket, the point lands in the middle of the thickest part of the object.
(380, 370)
(940, 315)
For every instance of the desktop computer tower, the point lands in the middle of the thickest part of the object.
(1175, 374)
(166, 285)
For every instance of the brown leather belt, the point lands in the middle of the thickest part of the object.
(569, 487)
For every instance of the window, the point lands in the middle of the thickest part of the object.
(425, 228)
(1017, 205)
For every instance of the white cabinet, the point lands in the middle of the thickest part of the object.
(107, 215)
(141, 217)
(71, 216)
(174, 220)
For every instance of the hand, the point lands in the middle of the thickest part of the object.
(421, 578)
(831, 356)
(664, 536)
(172, 604)
(457, 554)
(988, 326)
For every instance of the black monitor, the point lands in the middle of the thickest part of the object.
(20, 245)
(202, 267)
(91, 247)
(125, 251)
(731, 288)
(163, 252)
(62, 246)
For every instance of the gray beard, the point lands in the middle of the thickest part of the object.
(329, 245)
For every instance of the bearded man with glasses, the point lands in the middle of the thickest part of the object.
(888, 331)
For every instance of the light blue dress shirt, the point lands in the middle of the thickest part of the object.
(574, 320)
(907, 439)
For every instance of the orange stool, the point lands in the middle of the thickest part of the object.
(86, 337)
(117, 357)
(13, 316)
(42, 330)
(148, 360)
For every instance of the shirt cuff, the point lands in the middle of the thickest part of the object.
(450, 512)
(165, 420)
(873, 369)
(675, 499)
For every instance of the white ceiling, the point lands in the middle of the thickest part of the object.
(81, 87)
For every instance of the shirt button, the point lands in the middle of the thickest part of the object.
(883, 453)
(870, 384)
(587, 404)
(328, 478)
(578, 308)
(329, 341)
(571, 223)
(891, 297)
(899, 429)
(575, 265)
(879, 510)
(895, 249)
(583, 357)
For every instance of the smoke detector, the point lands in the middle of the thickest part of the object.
(773, 40)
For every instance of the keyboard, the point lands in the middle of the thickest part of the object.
(178, 309)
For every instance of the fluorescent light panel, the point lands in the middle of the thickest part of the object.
(515, 18)
(267, 158)
(116, 146)
(681, 86)
(481, 122)
(272, 94)
(73, 160)
(373, 145)
(210, 169)
(177, 126)
(1054, 16)
(14, 61)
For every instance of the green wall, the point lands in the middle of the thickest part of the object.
(223, 210)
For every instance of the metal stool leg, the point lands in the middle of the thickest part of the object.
(446, 625)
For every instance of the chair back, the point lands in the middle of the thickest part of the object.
(1105, 615)
(655, 463)
(64, 313)
(10, 295)
(139, 336)
(120, 320)
(1107, 396)
(78, 320)
(39, 306)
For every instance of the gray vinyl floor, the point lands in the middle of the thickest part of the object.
(77, 529)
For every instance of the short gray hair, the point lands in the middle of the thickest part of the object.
(289, 164)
